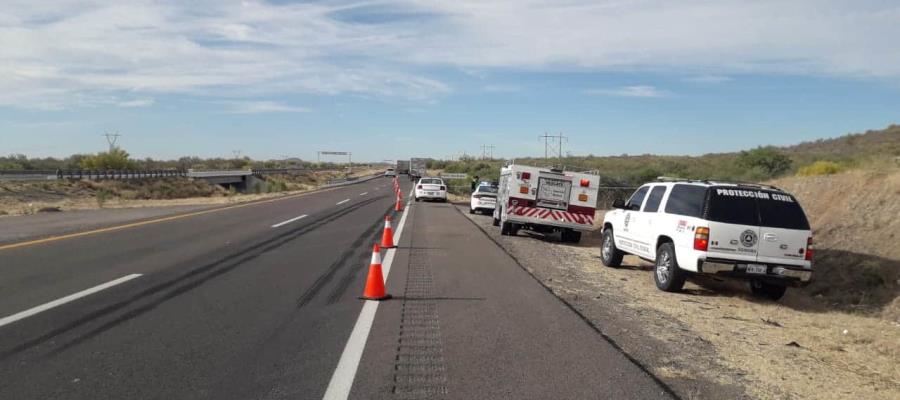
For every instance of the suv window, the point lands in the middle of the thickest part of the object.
(686, 200)
(732, 206)
(654, 199)
(634, 203)
(782, 211)
(756, 207)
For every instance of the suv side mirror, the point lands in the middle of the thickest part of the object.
(618, 203)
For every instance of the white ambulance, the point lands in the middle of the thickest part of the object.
(546, 200)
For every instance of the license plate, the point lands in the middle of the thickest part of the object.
(756, 269)
(430, 193)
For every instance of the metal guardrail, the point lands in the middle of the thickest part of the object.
(213, 174)
(35, 175)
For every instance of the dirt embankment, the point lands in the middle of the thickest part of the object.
(856, 225)
(838, 338)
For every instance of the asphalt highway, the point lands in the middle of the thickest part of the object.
(258, 301)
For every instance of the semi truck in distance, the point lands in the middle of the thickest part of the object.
(417, 167)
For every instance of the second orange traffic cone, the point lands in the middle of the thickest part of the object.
(387, 238)
(399, 205)
(375, 282)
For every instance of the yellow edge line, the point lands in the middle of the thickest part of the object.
(153, 221)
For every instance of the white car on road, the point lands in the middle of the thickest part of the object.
(483, 199)
(431, 189)
(390, 172)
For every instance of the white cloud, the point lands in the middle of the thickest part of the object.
(709, 79)
(260, 107)
(631, 91)
(502, 88)
(136, 103)
(75, 53)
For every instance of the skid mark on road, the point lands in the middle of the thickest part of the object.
(152, 297)
(419, 371)
(58, 302)
(357, 248)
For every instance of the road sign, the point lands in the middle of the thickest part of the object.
(454, 175)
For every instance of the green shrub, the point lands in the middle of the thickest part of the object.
(820, 168)
(102, 196)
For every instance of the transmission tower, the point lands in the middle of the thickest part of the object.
(548, 144)
(487, 149)
(111, 139)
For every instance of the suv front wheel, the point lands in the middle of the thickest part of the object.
(610, 255)
(668, 276)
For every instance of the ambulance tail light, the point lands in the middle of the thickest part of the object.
(523, 189)
(582, 197)
(526, 175)
(809, 249)
(701, 239)
(585, 182)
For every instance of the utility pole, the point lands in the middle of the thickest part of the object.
(112, 138)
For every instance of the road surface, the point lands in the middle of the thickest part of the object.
(259, 301)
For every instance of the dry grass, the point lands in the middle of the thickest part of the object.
(838, 338)
(25, 198)
(839, 356)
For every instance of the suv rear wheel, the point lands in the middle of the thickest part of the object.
(610, 255)
(767, 290)
(497, 219)
(668, 276)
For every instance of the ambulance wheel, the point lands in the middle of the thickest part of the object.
(765, 290)
(668, 276)
(507, 229)
(571, 236)
(496, 220)
(610, 255)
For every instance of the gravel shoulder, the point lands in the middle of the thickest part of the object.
(713, 340)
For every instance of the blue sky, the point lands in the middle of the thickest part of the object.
(395, 79)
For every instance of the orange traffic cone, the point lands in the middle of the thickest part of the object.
(375, 282)
(399, 205)
(387, 238)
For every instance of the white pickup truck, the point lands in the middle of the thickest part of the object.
(546, 200)
(753, 232)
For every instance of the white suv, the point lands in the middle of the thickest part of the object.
(747, 231)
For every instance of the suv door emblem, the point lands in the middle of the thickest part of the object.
(748, 238)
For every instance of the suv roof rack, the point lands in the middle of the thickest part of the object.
(752, 185)
(710, 182)
(673, 179)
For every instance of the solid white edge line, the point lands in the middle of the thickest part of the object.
(342, 380)
(58, 302)
(342, 202)
(282, 223)
(363, 193)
